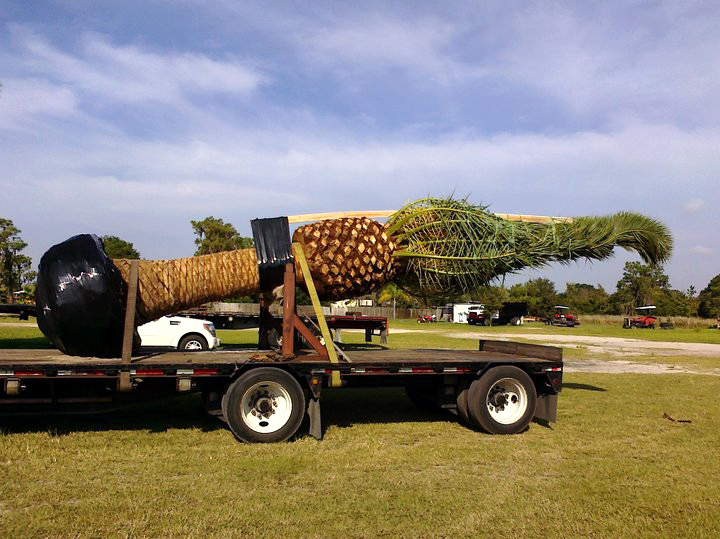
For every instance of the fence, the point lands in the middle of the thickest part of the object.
(275, 308)
(399, 314)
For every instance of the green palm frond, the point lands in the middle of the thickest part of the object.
(453, 246)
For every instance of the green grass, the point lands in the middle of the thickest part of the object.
(21, 335)
(611, 467)
(711, 336)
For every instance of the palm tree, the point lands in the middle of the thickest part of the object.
(394, 293)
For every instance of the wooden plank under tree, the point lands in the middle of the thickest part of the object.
(311, 217)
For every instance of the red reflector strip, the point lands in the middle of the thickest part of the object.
(149, 372)
(553, 369)
(206, 372)
(423, 370)
(28, 373)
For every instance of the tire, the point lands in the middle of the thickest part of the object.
(264, 405)
(502, 401)
(423, 397)
(192, 342)
(515, 321)
(461, 399)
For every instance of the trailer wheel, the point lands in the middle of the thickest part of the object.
(502, 401)
(264, 405)
(461, 399)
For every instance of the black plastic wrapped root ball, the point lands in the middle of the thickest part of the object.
(80, 298)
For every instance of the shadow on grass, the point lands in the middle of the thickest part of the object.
(339, 409)
(347, 407)
(25, 343)
(182, 412)
(586, 387)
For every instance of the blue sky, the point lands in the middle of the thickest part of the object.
(132, 118)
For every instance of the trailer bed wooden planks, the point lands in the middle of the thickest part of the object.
(35, 358)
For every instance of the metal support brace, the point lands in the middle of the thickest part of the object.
(299, 254)
(125, 383)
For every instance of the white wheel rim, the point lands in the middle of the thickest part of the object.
(266, 407)
(193, 345)
(506, 401)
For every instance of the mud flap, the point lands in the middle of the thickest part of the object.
(546, 408)
(313, 411)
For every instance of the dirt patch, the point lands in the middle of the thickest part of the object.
(620, 366)
(606, 346)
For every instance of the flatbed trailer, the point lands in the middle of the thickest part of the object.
(264, 397)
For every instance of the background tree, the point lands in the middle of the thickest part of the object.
(672, 302)
(585, 298)
(397, 296)
(709, 299)
(15, 267)
(540, 295)
(215, 236)
(492, 297)
(119, 248)
(641, 284)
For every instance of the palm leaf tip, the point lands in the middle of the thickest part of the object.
(650, 238)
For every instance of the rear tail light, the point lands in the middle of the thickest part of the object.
(210, 328)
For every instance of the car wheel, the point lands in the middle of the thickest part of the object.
(192, 342)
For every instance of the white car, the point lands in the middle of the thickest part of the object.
(179, 332)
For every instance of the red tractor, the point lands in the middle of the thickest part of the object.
(645, 318)
(562, 317)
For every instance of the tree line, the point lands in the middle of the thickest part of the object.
(640, 284)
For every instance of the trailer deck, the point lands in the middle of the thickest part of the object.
(490, 352)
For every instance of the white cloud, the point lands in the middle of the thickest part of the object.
(374, 43)
(31, 98)
(130, 74)
(694, 205)
(701, 250)
(619, 60)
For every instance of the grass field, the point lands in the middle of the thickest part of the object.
(611, 467)
(711, 336)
